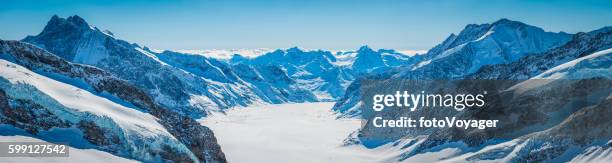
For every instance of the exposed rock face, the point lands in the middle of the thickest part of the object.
(544, 119)
(580, 45)
(75, 41)
(28, 115)
(194, 84)
(96, 135)
(313, 75)
(199, 139)
(535, 116)
(501, 42)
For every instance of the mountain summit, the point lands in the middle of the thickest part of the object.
(57, 24)
(73, 39)
(195, 84)
(477, 45)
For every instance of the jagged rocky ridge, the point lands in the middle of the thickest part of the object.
(192, 142)
(324, 74)
(169, 85)
(580, 45)
(194, 84)
(76, 41)
(567, 67)
(554, 117)
(501, 42)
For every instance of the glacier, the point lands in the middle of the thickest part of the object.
(551, 63)
(189, 136)
(128, 126)
(139, 103)
(195, 84)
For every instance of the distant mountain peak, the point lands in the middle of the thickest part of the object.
(511, 24)
(506, 21)
(75, 19)
(55, 18)
(72, 22)
(472, 29)
(503, 29)
(80, 42)
(474, 26)
(294, 49)
(365, 49)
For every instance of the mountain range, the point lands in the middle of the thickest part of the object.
(555, 84)
(194, 84)
(76, 81)
(164, 90)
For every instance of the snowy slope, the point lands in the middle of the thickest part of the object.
(76, 155)
(318, 72)
(307, 132)
(550, 120)
(533, 129)
(133, 128)
(501, 42)
(199, 139)
(598, 64)
(595, 154)
(194, 84)
(84, 101)
(170, 86)
(571, 125)
(580, 45)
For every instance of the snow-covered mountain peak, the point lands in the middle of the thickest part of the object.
(469, 33)
(83, 43)
(522, 37)
(75, 19)
(72, 24)
(508, 22)
(503, 41)
(477, 45)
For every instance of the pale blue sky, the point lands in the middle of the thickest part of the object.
(313, 24)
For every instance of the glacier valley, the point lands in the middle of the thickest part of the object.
(119, 101)
(306, 132)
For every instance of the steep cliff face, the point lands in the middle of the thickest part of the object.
(187, 139)
(160, 92)
(501, 42)
(544, 118)
(550, 88)
(194, 84)
(76, 41)
(580, 45)
(555, 116)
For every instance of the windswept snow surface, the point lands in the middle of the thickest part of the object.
(75, 155)
(141, 131)
(591, 65)
(75, 98)
(306, 132)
